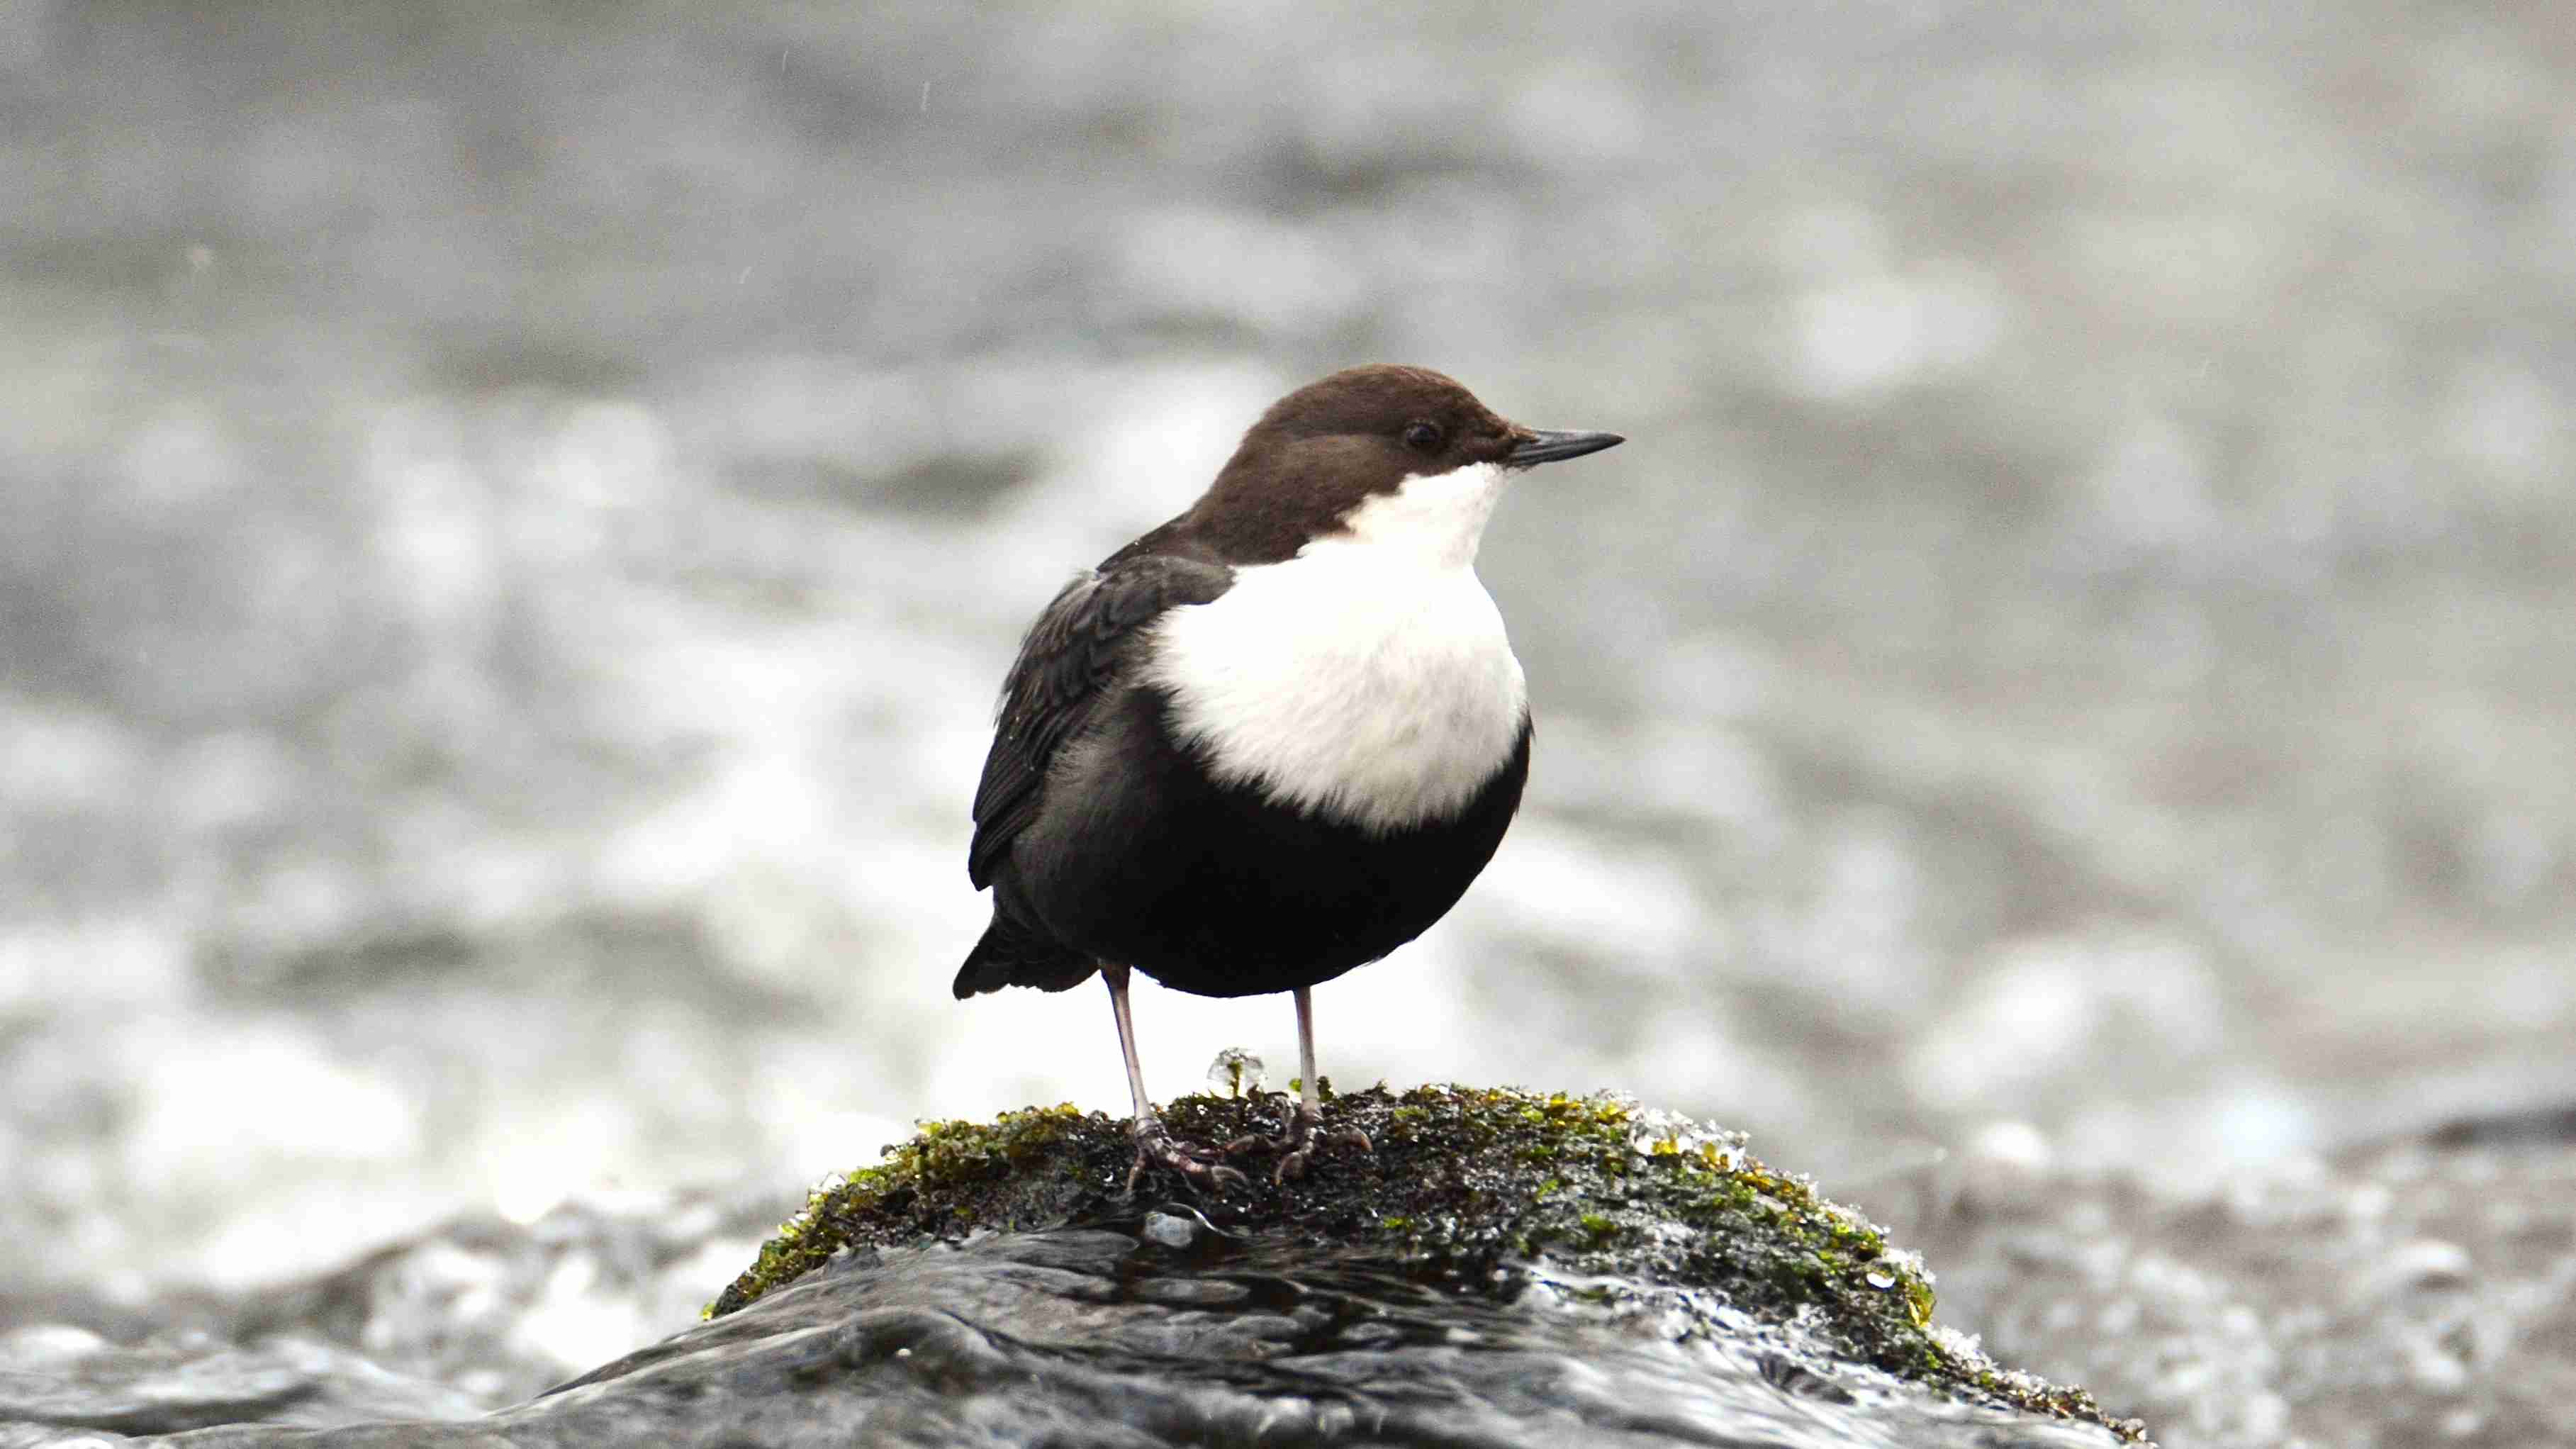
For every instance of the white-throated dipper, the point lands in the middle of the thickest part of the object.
(1274, 738)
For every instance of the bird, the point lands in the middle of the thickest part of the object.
(1271, 740)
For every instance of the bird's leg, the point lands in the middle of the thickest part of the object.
(1304, 1132)
(1154, 1142)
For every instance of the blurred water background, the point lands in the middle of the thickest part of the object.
(512, 517)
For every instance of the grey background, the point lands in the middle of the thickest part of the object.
(511, 519)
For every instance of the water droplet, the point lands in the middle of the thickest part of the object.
(1170, 1231)
(1881, 1280)
(1235, 1072)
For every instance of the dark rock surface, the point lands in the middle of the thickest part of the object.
(1150, 1323)
(1169, 1334)
(2417, 1292)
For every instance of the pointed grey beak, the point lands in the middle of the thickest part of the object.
(1542, 446)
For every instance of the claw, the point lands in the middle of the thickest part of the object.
(1296, 1143)
(1156, 1147)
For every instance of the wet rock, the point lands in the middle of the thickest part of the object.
(1503, 1270)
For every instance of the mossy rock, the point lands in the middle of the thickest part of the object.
(1612, 1207)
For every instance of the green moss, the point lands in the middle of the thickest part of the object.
(950, 1178)
(1486, 1189)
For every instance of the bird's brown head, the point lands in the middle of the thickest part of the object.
(1322, 452)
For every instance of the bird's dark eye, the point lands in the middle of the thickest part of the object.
(1423, 437)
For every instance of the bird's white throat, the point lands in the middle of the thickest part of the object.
(1368, 679)
(1437, 519)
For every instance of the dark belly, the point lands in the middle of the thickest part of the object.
(1212, 890)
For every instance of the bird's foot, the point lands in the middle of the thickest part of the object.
(1297, 1143)
(1202, 1166)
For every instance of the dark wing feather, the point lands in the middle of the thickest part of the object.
(1068, 662)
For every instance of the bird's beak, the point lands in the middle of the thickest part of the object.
(1538, 445)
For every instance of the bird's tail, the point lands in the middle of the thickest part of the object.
(1014, 955)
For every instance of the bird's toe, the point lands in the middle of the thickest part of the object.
(1295, 1145)
(1157, 1147)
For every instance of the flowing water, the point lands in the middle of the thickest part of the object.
(510, 526)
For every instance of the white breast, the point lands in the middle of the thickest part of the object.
(1368, 679)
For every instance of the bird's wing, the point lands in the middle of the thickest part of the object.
(1070, 661)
